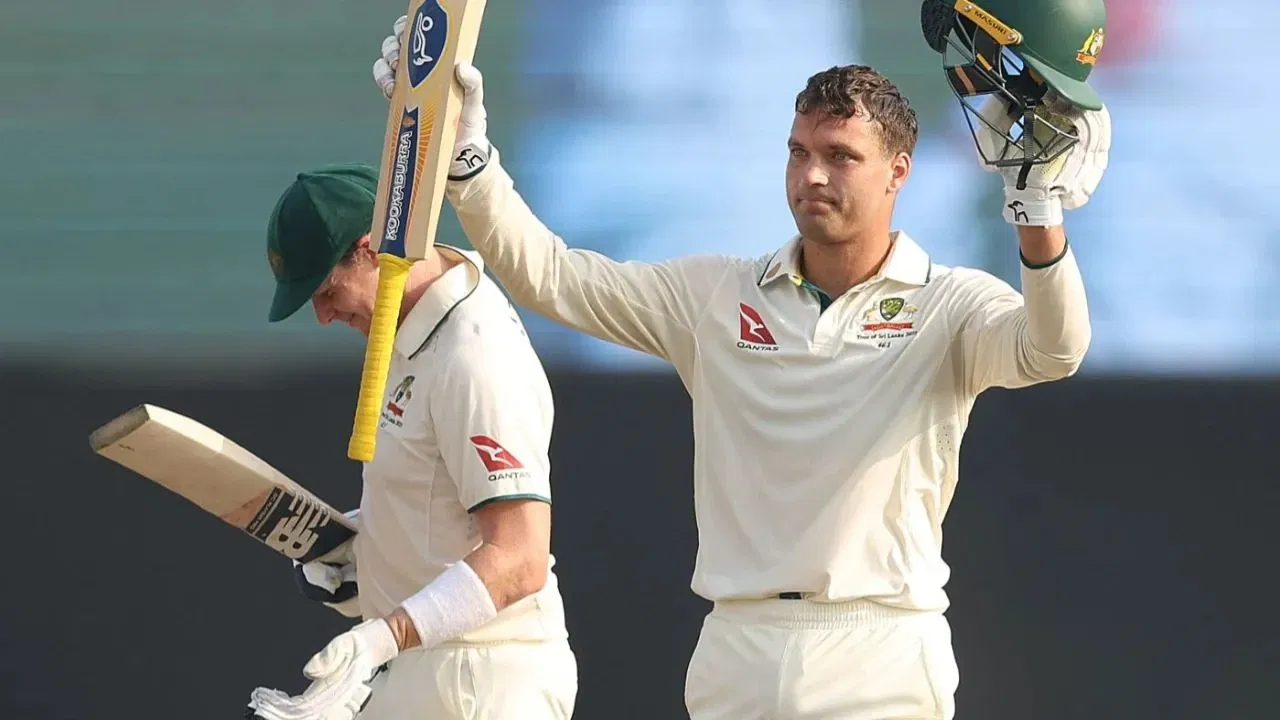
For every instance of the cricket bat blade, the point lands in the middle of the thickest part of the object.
(223, 479)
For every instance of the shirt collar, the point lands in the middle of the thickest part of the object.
(907, 263)
(439, 299)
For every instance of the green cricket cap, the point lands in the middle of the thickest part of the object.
(317, 219)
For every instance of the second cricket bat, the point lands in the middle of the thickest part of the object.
(416, 153)
(223, 479)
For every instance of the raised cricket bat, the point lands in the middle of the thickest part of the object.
(223, 479)
(416, 152)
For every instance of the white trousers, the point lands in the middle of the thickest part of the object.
(798, 660)
(509, 681)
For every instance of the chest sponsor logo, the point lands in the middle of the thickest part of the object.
(753, 334)
(497, 460)
(394, 411)
(893, 318)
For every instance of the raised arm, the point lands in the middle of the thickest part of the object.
(1009, 339)
(650, 307)
(1013, 340)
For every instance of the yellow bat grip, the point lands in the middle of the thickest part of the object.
(392, 273)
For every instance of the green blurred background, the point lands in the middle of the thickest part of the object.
(144, 144)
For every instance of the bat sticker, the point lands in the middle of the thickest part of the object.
(296, 527)
(429, 34)
(404, 169)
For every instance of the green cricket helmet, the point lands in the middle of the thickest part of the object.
(1035, 54)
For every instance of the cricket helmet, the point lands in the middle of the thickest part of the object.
(1037, 55)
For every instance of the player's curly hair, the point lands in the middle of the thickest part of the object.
(849, 90)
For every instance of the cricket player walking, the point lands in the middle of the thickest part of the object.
(832, 380)
(451, 570)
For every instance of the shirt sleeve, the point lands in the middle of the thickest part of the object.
(492, 409)
(650, 307)
(1014, 340)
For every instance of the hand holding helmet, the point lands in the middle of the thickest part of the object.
(1020, 70)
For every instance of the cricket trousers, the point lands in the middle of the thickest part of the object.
(799, 660)
(502, 681)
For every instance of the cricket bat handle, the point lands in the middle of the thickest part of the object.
(393, 271)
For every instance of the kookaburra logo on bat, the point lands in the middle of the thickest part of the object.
(428, 37)
(420, 30)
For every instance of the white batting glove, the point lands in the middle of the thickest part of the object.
(471, 148)
(340, 675)
(332, 580)
(384, 68)
(1065, 183)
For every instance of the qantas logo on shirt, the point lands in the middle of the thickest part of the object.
(499, 461)
(752, 332)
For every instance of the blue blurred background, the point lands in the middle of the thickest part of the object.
(144, 144)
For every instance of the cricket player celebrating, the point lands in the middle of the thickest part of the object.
(832, 380)
(462, 617)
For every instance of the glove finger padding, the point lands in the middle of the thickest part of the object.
(1094, 129)
(391, 51)
(384, 68)
(385, 76)
(471, 147)
(331, 658)
(340, 675)
(474, 116)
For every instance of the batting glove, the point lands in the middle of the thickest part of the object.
(331, 580)
(471, 149)
(339, 674)
(384, 68)
(1064, 183)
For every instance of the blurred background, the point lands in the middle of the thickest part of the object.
(1110, 541)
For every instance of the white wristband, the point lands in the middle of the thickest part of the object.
(1033, 206)
(455, 602)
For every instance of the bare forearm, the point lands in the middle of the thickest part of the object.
(402, 628)
(1041, 246)
(509, 575)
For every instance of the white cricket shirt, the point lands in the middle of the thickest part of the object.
(826, 441)
(466, 421)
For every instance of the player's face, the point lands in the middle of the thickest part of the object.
(841, 181)
(348, 293)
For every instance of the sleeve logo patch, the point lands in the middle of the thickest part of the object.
(497, 460)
